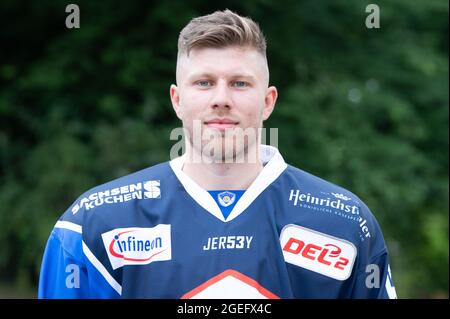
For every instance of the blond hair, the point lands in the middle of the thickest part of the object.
(221, 29)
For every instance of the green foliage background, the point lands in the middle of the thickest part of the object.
(364, 108)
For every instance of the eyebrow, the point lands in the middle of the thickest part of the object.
(244, 76)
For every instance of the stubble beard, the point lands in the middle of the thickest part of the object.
(223, 147)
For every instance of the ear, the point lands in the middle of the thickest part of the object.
(269, 102)
(175, 99)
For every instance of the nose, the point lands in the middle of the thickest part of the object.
(221, 96)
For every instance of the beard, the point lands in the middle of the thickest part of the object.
(229, 146)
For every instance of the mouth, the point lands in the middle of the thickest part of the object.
(221, 124)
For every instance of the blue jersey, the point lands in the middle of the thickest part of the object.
(157, 234)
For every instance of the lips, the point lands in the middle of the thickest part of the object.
(221, 124)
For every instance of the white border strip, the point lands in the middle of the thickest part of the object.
(68, 225)
(97, 264)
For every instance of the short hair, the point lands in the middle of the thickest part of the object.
(221, 29)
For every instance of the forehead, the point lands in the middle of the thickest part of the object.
(229, 61)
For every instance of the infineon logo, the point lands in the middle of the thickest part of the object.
(144, 190)
(318, 252)
(138, 246)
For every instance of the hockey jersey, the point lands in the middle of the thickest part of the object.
(157, 234)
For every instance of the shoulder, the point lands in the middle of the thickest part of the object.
(332, 205)
(315, 184)
(143, 184)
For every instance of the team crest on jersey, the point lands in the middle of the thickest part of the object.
(327, 255)
(138, 246)
(226, 198)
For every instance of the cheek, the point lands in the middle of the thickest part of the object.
(254, 110)
(192, 104)
(251, 118)
(191, 113)
(185, 107)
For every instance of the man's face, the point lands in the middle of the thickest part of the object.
(224, 92)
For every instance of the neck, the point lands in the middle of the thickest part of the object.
(222, 176)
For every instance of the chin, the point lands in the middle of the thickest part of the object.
(222, 150)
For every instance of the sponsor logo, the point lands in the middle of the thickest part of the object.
(341, 196)
(230, 284)
(362, 225)
(338, 207)
(318, 252)
(138, 246)
(226, 198)
(144, 190)
(297, 197)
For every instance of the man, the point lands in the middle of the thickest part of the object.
(229, 218)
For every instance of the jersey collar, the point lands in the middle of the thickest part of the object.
(274, 165)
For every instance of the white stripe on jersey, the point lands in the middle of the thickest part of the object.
(97, 264)
(70, 226)
(389, 286)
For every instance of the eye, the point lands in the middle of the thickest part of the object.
(240, 84)
(203, 83)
